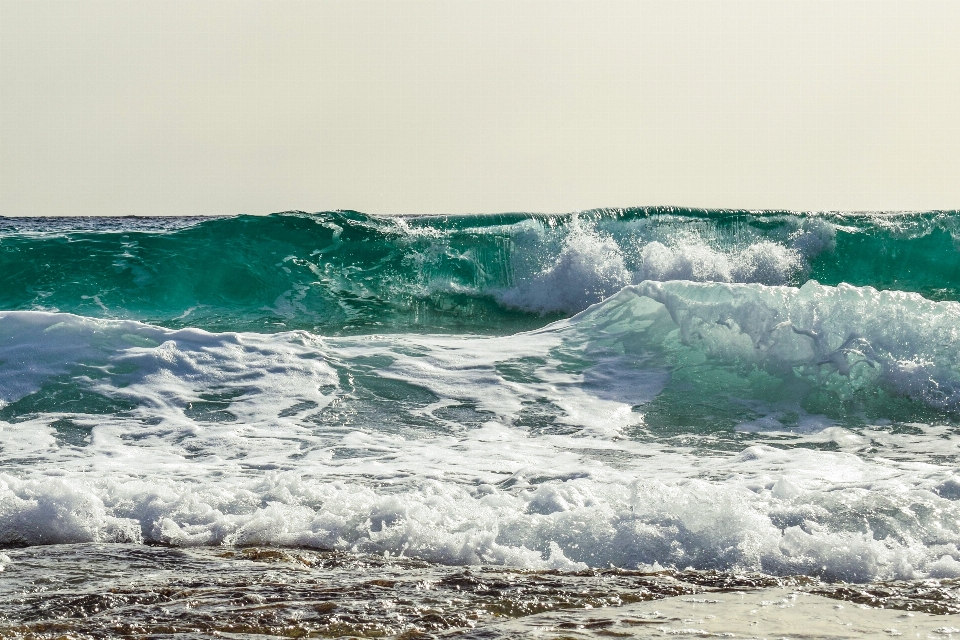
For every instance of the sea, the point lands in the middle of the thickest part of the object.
(613, 423)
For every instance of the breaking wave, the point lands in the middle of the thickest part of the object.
(349, 273)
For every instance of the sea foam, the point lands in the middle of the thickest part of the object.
(845, 339)
(546, 449)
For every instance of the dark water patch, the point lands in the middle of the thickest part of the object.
(63, 394)
(69, 433)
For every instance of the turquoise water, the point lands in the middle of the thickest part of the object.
(346, 272)
(770, 394)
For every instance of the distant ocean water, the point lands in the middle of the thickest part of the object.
(614, 396)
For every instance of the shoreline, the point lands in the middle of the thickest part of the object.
(85, 590)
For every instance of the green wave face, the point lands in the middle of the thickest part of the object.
(336, 272)
(346, 272)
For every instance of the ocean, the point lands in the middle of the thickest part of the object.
(607, 423)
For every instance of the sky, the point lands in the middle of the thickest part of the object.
(143, 107)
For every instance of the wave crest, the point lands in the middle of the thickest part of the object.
(847, 343)
(345, 272)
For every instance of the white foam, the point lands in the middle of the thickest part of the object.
(593, 263)
(843, 338)
(765, 261)
(488, 488)
(589, 268)
(847, 522)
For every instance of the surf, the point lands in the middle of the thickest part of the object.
(732, 427)
(343, 272)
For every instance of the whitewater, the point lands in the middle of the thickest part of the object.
(653, 401)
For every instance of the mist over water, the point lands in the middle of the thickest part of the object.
(649, 389)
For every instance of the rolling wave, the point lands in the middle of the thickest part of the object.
(348, 273)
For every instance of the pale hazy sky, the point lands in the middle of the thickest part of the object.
(203, 107)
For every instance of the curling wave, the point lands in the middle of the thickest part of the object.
(349, 273)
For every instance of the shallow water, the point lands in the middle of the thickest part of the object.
(105, 590)
(607, 396)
